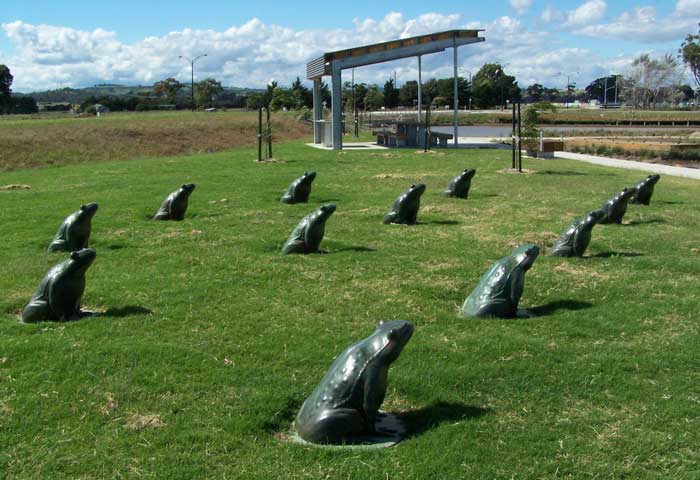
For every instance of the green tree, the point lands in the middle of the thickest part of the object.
(686, 93)
(5, 89)
(492, 86)
(206, 91)
(282, 99)
(374, 100)
(408, 93)
(303, 97)
(534, 92)
(690, 52)
(167, 88)
(391, 94)
(25, 105)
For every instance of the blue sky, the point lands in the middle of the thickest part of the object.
(50, 43)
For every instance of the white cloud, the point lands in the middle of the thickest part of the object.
(643, 24)
(550, 14)
(688, 7)
(252, 54)
(587, 13)
(521, 6)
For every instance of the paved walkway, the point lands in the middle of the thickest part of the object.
(632, 165)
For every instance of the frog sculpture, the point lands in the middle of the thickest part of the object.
(300, 189)
(307, 236)
(405, 208)
(460, 185)
(499, 290)
(344, 406)
(575, 239)
(175, 205)
(58, 296)
(74, 232)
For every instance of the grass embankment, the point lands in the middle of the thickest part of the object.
(209, 339)
(43, 140)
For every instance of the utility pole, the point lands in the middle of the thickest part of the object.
(192, 60)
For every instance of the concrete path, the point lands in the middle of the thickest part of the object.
(632, 165)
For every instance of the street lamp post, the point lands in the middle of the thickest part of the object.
(605, 96)
(192, 60)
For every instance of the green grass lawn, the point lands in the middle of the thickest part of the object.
(209, 340)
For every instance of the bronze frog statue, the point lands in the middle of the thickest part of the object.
(175, 205)
(300, 189)
(405, 208)
(645, 189)
(74, 232)
(499, 290)
(307, 236)
(460, 185)
(575, 239)
(58, 296)
(616, 207)
(345, 404)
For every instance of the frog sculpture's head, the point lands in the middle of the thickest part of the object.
(87, 211)
(308, 177)
(594, 217)
(392, 337)
(415, 190)
(467, 174)
(186, 189)
(525, 255)
(325, 211)
(80, 260)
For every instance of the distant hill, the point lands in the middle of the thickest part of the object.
(78, 95)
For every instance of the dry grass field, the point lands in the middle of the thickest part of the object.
(29, 141)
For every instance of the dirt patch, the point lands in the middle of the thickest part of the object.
(109, 406)
(140, 422)
(404, 176)
(15, 186)
(580, 271)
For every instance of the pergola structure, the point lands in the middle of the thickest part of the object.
(333, 63)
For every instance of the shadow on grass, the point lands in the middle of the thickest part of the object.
(354, 249)
(563, 172)
(645, 222)
(552, 307)
(128, 311)
(668, 202)
(426, 418)
(439, 222)
(616, 254)
(116, 246)
(283, 417)
(326, 200)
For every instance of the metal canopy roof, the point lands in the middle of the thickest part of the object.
(392, 50)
